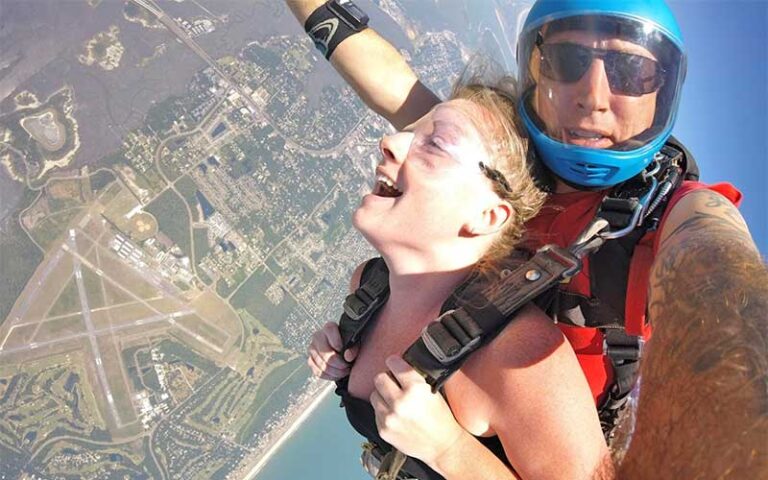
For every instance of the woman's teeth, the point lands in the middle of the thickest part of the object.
(385, 187)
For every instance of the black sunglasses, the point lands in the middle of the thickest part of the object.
(628, 74)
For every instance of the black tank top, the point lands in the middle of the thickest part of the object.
(362, 417)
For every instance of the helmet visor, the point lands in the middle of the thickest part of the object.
(601, 81)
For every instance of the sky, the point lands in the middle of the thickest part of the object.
(723, 116)
(723, 120)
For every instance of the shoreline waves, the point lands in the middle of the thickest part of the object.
(289, 431)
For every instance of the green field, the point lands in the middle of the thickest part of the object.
(68, 301)
(173, 219)
(225, 290)
(53, 226)
(273, 395)
(176, 352)
(251, 298)
(18, 260)
(120, 461)
(44, 397)
(101, 180)
(150, 180)
(187, 188)
(201, 243)
(92, 284)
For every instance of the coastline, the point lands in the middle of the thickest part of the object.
(306, 412)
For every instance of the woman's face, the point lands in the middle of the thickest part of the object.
(429, 186)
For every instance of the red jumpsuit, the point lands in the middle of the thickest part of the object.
(561, 219)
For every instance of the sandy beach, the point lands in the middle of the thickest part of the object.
(305, 413)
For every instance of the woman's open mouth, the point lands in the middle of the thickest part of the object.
(385, 187)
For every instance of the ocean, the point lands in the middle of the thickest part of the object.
(324, 447)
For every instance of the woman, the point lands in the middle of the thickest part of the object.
(451, 196)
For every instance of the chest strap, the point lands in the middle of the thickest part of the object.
(360, 306)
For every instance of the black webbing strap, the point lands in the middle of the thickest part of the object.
(360, 305)
(444, 345)
(609, 265)
(624, 352)
(581, 311)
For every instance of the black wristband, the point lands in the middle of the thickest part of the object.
(328, 29)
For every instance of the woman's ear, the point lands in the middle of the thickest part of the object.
(491, 220)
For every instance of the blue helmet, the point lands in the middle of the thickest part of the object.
(597, 124)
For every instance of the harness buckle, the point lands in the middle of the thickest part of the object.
(624, 352)
(356, 307)
(382, 465)
(639, 205)
(567, 258)
(435, 347)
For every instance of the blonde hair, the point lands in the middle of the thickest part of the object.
(507, 146)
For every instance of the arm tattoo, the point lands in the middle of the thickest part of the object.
(718, 217)
(703, 410)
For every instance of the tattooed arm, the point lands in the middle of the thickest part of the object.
(703, 408)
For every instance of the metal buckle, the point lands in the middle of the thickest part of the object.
(435, 349)
(383, 466)
(640, 210)
(625, 352)
(352, 310)
(568, 258)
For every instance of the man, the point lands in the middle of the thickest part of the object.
(601, 83)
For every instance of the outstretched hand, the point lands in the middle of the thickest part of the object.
(325, 358)
(409, 416)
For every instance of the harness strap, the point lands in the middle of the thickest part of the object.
(582, 311)
(366, 299)
(620, 268)
(624, 352)
(391, 465)
(618, 211)
(446, 344)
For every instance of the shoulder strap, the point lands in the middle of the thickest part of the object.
(444, 345)
(360, 306)
(690, 167)
(632, 209)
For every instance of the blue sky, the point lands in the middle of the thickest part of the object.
(723, 116)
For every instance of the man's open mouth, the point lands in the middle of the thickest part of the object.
(585, 134)
(588, 138)
(385, 187)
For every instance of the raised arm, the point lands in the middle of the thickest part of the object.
(702, 409)
(377, 72)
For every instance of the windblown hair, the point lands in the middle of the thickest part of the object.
(507, 145)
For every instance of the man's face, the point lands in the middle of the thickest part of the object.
(586, 112)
